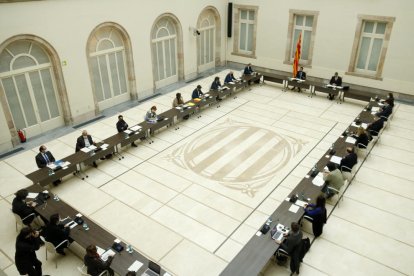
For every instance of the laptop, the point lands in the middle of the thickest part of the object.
(278, 235)
(152, 270)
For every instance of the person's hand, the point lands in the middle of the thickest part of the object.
(35, 234)
(305, 205)
(278, 241)
(32, 204)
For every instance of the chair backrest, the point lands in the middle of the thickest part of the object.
(50, 247)
(18, 219)
(82, 271)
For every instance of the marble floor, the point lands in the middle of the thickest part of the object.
(192, 199)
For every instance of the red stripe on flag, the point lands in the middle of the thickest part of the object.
(297, 56)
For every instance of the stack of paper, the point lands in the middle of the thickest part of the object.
(92, 147)
(104, 146)
(85, 150)
(127, 131)
(318, 180)
(135, 266)
(350, 140)
(135, 128)
(293, 208)
(336, 159)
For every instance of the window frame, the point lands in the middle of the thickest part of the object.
(237, 27)
(352, 70)
(289, 41)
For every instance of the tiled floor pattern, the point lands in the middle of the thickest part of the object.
(174, 211)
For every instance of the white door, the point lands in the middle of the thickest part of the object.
(206, 49)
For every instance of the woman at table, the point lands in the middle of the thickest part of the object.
(94, 264)
(178, 100)
(27, 243)
(362, 138)
(316, 213)
(57, 233)
(25, 210)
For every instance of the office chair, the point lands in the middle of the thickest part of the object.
(83, 272)
(19, 220)
(51, 248)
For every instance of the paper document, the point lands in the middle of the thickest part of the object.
(375, 109)
(108, 253)
(135, 128)
(364, 125)
(258, 233)
(100, 250)
(300, 203)
(135, 266)
(350, 140)
(85, 150)
(104, 146)
(294, 208)
(92, 147)
(318, 180)
(52, 166)
(72, 225)
(231, 82)
(32, 195)
(127, 131)
(354, 124)
(336, 159)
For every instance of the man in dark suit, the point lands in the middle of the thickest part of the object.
(300, 75)
(375, 127)
(216, 85)
(385, 112)
(27, 243)
(121, 126)
(85, 140)
(349, 160)
(197, 93)
(248, 70)
(230, 77)
(336, 80)
(44, 158)
(57, 233)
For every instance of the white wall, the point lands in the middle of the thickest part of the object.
(66, 25)
(334, 38)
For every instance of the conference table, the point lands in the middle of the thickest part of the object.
(96, 234)
(259, 249)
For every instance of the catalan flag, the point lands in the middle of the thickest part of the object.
(297, 56)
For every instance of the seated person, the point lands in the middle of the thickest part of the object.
(293, 238)
(25, 210)
(375, 127)
(85, 140)
(362, 138)
(333, 178)
(336, 80)
(197, 93)
(131, 273)
(27, 243)
(178, 100)
(151, 115)
(301, 75)
(121, 126)
(56, 233)
(230, 77)
(317, 213)
(248, 70)
(385, 112)
(390, 99)
(216, 86)
(349, 160)
(44, 158)
(94, 264)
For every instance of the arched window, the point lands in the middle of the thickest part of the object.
(108, 66)
(164, 52)
(28, 82)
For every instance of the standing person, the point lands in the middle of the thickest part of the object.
(216, 86)
(230, 77)
(44, 158)
(317, 214)
(197, 93)
(333, 178)
(57, 233)
(25, 210)
(27, 242)
(85, 140)
(94, 264)
(336, 80)
(121, 126)
(300, 75)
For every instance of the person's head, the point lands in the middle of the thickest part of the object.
(249, 64)
(131, 273)
(390, 96)
(301, 68)
(295, 227)
(178, 96)
(21, 194)
(216, 78)
(91, 250)
(120, 118)
(42, 148)
(350, 149)
(198, 87)
(360, 131)
(331, 166)
(231, 73)
(54, 219)
(25, 233)
(336, 74)
(320, 201)
(153, 108)
(84, 133)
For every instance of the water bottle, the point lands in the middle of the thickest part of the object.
(85, 226)
(302, 196)
(56, 198)
(50, 172)
(269, 221)
(314, 168)
(129, 249)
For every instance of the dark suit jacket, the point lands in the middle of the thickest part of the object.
(196, 94)
(25, 256)
(362, 139)
(215, 85)
(80, 143)
(95, 265)
(41, 161)
(20, 207)
(338, 82)
(349, 161)
(56, 234)
(386, 112)
(248, 70)
(301, 75)
(229, 78)
(375, 127)
(291, 242)
(121, 126)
